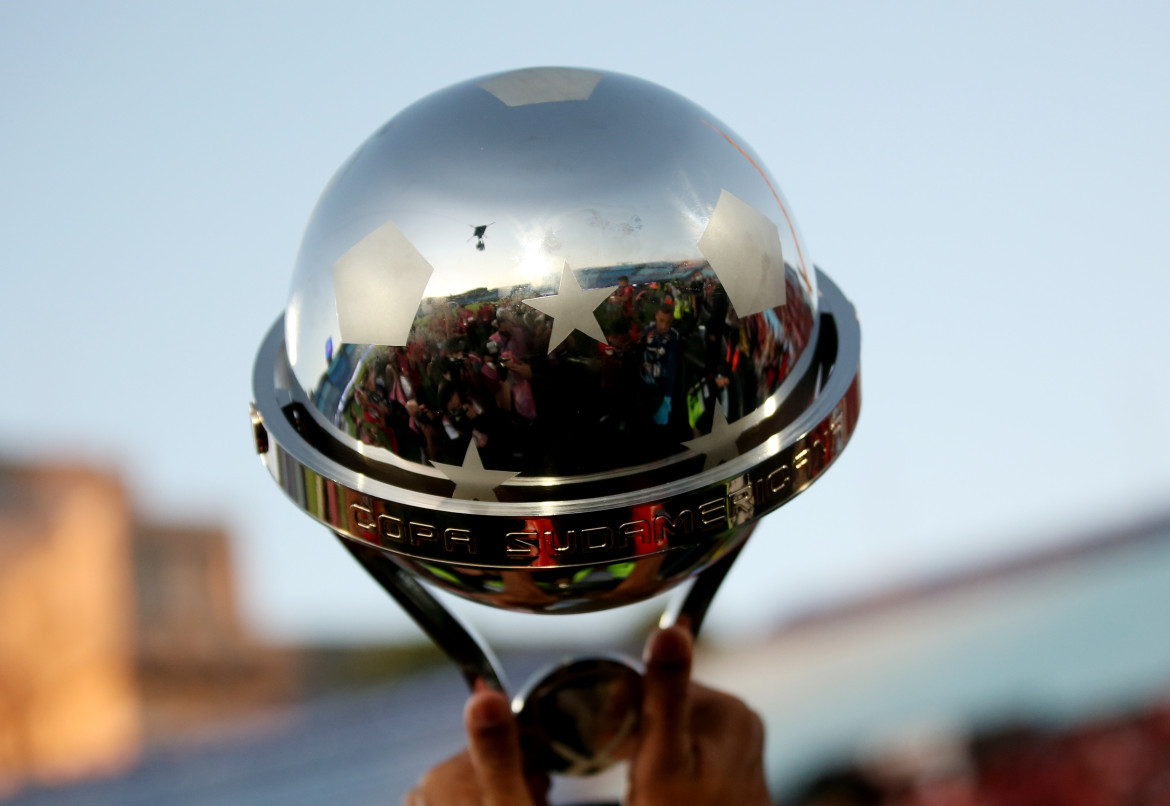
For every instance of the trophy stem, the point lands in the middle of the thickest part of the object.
(452, 636)
(692, 607)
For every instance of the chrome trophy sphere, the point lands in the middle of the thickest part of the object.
(554, 343)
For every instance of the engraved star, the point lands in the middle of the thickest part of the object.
(472, 482)
(719, 445)
(571, 308)
(743, 247)
(378, 285)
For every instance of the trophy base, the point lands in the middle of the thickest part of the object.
(581, 716)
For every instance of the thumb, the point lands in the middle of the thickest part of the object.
(493, 743)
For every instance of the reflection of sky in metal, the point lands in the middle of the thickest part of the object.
(629, 176)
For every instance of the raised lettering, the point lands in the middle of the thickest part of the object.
(664, 526)
(459, 538)
(390, 528)
(422, 532)
(555, 546)
(362, 517)
(638, 530)
(805, 456)
(713, 513)
(521, 544)
(778, 479)
(742, 500)
(598, 538)
(837, 427)
(800, 459)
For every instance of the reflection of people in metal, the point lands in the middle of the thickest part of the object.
(373, 409)
(513, 336)
(619, 360)
(660, 361)
(688, 304)
(623, 297)
(648, 300)
(518, 382)
(717, 306)
(672, 343)
(704, 396)
(405, 439)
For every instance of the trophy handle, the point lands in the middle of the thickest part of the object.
(692, 606)
(469, 652)
(565, 724)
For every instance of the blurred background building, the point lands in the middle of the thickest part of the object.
(1042, 678)
(69, 697)
(115, 633)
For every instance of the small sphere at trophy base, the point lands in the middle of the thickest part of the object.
(582, 716)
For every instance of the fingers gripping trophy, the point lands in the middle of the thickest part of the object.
(554, 344)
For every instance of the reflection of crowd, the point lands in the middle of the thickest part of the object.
(465, 377)
(482, 371)
(1123, 760)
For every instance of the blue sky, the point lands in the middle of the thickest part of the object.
(988, 182)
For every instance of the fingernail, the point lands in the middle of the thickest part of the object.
(489, 711)
(672, 645)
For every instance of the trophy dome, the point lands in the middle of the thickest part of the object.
(548, 292)
(495, 253)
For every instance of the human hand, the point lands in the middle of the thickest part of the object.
(698, 746)
(490, 772)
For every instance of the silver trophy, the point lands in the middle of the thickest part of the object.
(554, 343)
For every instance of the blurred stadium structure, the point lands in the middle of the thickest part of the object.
(126, 677)
(114, 634)
(1041, 679)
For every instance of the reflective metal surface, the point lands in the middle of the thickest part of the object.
(582, 716)
(553, 342)
(496, 274)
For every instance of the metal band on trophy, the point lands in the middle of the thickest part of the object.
(554, 344)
